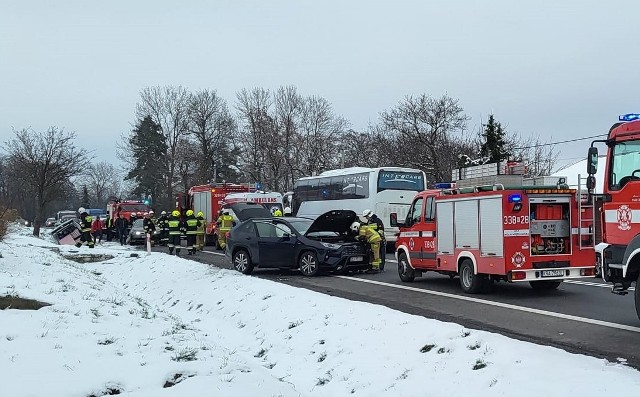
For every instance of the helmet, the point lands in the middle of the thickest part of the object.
(81, 210)
(189, 212)
(175, 213)
(146, 214)
(355, 226)
(134, 214)
(287, 211)
(225, 212)
(367, 213)
(151, 212)
(200, 214)
(163, 213)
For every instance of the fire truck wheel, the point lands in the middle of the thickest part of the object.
(546, 285)
(308, 263)
(470, 283)
(242, 262)
(406, 273)
(636, 296)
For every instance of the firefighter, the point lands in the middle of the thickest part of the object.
(224, 224)
(372, 219)
(85, 229)
(369, 234)
(200, 231)
(175, 226)
(121, 228)
(192, 224)
(163, 225)
(148, 225)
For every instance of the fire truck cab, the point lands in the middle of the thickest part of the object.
(538, 234)
(126, 208)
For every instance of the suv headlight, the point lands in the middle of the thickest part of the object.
(331, 246)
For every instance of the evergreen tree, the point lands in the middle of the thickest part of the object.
(494, 141)
(86, 201)
(148, 146)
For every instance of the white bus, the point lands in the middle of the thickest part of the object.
(383, 190)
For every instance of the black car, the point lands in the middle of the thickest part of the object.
(137, 233)
(298, 243)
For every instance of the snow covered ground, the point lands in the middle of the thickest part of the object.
(136, 324)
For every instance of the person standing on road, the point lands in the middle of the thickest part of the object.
(108, 228)
(175, 226)
(369, 234)
(96, 230)
(163, 225)
(148, 225)
(121, 229)
(224, 223)
(192, 230)
(372, 219)
(200, 231)
(85, 229)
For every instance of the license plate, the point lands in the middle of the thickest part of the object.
(552, 273)
(356, 259)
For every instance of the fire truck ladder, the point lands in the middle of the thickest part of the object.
(585, 238)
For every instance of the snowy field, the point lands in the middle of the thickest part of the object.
(156, 325)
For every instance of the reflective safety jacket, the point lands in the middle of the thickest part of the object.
(163, 222)
(85, 222)
(148, 225)
(200, 230)
(225, 222)
(175, 225)
(370, 233)
(192, 224)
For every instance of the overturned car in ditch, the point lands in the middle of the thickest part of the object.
(313, 246)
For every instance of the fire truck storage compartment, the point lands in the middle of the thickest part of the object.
(202, 202)
(466, 213)
(550, 225)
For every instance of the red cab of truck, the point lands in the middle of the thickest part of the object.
(126, 208)
(540, 235)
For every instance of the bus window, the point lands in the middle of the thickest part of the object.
(324, 191)
(356, 186)
(400, 181)
(335, 187)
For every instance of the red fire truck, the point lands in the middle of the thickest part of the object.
(538, 234)
(209, 199)
(620, 212)
(126, 208)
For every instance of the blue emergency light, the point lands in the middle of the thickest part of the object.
(629, 117)
(444, 185)
(515, 198)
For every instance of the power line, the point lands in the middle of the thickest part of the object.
(560, 142)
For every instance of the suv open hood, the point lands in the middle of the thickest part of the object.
(337, 221)
(244, 211)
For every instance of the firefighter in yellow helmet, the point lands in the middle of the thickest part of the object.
(192, 224)
(369, 234)
(200, 231)
(175, 226)
(224, 223)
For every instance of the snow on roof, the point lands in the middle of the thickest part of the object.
(580, 168)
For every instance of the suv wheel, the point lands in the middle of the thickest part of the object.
(242, 262)
(308, 263)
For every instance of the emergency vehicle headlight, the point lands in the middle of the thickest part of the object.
(629, 117)
(515, 198)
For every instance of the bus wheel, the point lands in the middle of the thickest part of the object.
(470, 283)
(406, 273)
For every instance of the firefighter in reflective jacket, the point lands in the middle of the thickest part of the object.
(163, 225)
(192, 230)
(373, 221)
(85, 229)
(175, 231)
(368, 233)
(200, 231)
(224, 224)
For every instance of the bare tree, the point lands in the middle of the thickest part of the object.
(212, 126)
(427, 133)
(103, 181)
(169, 108)
(43, 162)
(288, 109)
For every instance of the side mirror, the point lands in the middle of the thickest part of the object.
(592, 161)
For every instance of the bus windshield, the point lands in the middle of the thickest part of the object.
(396, 180)
(625, 164)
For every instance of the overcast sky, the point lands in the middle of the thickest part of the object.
(560, 69)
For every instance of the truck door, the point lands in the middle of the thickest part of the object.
(428, 234)
(412, 233)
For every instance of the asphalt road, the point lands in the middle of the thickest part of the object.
(582, 316)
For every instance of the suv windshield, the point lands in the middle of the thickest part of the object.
(625, 161)
(301, 225)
